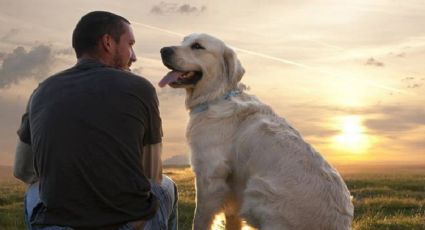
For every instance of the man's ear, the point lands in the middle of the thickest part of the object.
(107, 43)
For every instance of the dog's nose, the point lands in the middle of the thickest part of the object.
(166, 51)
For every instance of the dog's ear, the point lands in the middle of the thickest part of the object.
(233, 67)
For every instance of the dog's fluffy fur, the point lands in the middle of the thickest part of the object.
(249, 162)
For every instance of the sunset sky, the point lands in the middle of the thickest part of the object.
(349, 75)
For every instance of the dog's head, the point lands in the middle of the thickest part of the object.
(202, 64)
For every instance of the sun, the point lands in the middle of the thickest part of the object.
(352, 138)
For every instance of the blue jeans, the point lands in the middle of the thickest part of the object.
(164, 219)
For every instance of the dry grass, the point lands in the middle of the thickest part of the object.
(11, 205)
(382, 201)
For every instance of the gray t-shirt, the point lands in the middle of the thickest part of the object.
(87, 127)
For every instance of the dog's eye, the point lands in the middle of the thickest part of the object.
(197, 46)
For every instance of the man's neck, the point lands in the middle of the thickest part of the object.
(96, 57)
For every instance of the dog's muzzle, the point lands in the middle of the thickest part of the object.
(167, 53)
(177, 77)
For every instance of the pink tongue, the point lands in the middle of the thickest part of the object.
(170, 77)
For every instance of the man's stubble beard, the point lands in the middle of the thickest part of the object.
(118, 62)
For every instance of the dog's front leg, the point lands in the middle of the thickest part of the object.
(231, 213)
(211, 192)
(233, 222)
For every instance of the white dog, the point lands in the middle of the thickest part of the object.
(249, 162)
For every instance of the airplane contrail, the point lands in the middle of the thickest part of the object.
(282, 60)
(323, 43)
(158, 29)
(307, 67)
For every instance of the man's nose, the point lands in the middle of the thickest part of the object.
(133, 57)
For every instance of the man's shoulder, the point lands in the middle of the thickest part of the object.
(105, 72)
(133, 80)
(101, 78)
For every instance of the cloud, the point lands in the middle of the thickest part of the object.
(172, 8)
(9, 35)
(396, 118)
(412, 83)
(66, 51)
(408, 79)
(401, 55)
(186, 8)
(312, 120)
(21, 64)
(372, 61)
(398, 55)
(413, 86)
(419, 144)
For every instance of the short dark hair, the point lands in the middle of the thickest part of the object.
(92, 27)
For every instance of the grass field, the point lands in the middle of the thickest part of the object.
(393, 201)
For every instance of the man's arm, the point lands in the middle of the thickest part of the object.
(23, 168)
(152, 163)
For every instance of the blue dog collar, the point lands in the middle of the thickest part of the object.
(204, 106)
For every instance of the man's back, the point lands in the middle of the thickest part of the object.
(87, 126)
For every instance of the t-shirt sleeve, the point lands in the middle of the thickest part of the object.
(24, 132)
(153, 134)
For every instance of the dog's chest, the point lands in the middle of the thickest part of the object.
(203, 130)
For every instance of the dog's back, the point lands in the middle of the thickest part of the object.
(283, 181)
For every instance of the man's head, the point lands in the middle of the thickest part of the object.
(105, 36)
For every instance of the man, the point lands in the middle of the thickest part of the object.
(93, 133)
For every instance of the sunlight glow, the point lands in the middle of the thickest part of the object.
(219, 223)
(352, 138)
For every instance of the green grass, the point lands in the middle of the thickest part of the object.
(388, 201)
(381, 201)
(11, 205)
